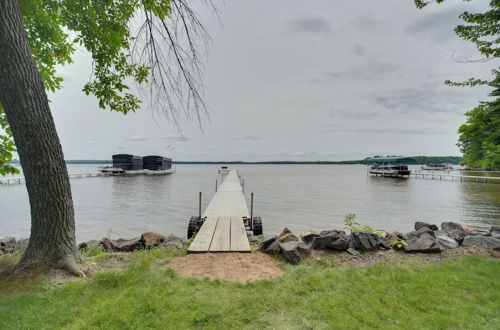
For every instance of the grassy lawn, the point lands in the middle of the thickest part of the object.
(459, 293)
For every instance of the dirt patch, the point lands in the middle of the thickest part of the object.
(400, 257)
(239, 267)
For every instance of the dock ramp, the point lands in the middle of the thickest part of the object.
(223, 229)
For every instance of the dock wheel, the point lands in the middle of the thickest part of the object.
(194, 226)
(257, 226)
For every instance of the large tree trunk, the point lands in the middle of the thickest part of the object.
(22, 94)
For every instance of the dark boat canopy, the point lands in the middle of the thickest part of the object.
(127, 162)
(391, 160)
(157, 163)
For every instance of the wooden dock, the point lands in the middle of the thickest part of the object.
(223, 229)
(21, 180)
(454, 177)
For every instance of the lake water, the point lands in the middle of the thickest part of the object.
(301, 197)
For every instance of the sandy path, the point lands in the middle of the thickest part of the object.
(232, 266)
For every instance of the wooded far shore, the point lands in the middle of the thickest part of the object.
(420, 160)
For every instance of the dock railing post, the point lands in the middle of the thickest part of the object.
(243, 185)
(199, 207)
(251, 210)
(215, 185)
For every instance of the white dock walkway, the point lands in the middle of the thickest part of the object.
(223, 229)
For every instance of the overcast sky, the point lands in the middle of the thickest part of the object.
(301, 80)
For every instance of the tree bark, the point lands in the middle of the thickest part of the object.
(22, 94)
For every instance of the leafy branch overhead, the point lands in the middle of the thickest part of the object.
(483, 30)
(153, 43)
(129, 41)
(479, 137)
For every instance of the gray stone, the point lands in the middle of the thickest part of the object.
(454, 230)
(384, 244)
(173, 241)
(8, 245)
(265, 244)
(425, 243)
(418, 233)
(354, 252)
(445, 240)
(121, 245)
(288, 238)
(88, 245)
(495, 231)
(294, 252)
(331, 240)
(273, 248)
(419, 225)
(491, 243)
(365, 241)
(150, 239)
(309, 236)
(7, 241)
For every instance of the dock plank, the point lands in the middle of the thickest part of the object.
(221, 241)
(239, 239)
(204, 237)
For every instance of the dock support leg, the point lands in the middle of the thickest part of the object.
(251, 211)
(199, 207)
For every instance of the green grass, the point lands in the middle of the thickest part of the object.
(460, 293)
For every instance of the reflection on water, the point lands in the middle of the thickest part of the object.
(302, 197)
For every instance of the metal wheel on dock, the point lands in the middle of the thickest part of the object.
(257, 225)
(194, 226)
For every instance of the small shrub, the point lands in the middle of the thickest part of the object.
(353, 225)
(399, 244)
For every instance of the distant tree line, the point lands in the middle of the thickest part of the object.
(419, 160)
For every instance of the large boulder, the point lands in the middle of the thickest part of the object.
(6, 241)
(173, 241)
(294, 252)
(384, 243)
(121, 245)
(454, 230)
(271, 246)
(309, 236)
(8, 245)
(446, 241)
(287, 236)
(491, 243)
(425, 243)
(365, 241)
(495, 231)
(419, 225)
(331, 240)
(267, 242)
(418, 233)
(150, 240)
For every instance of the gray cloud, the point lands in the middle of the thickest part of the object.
(438, 26)
(399, 130)
(180, 138)
(248, 138)
(138, 138)
(358, 49)
(314, 24)
(372, 70)
(421, 100)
